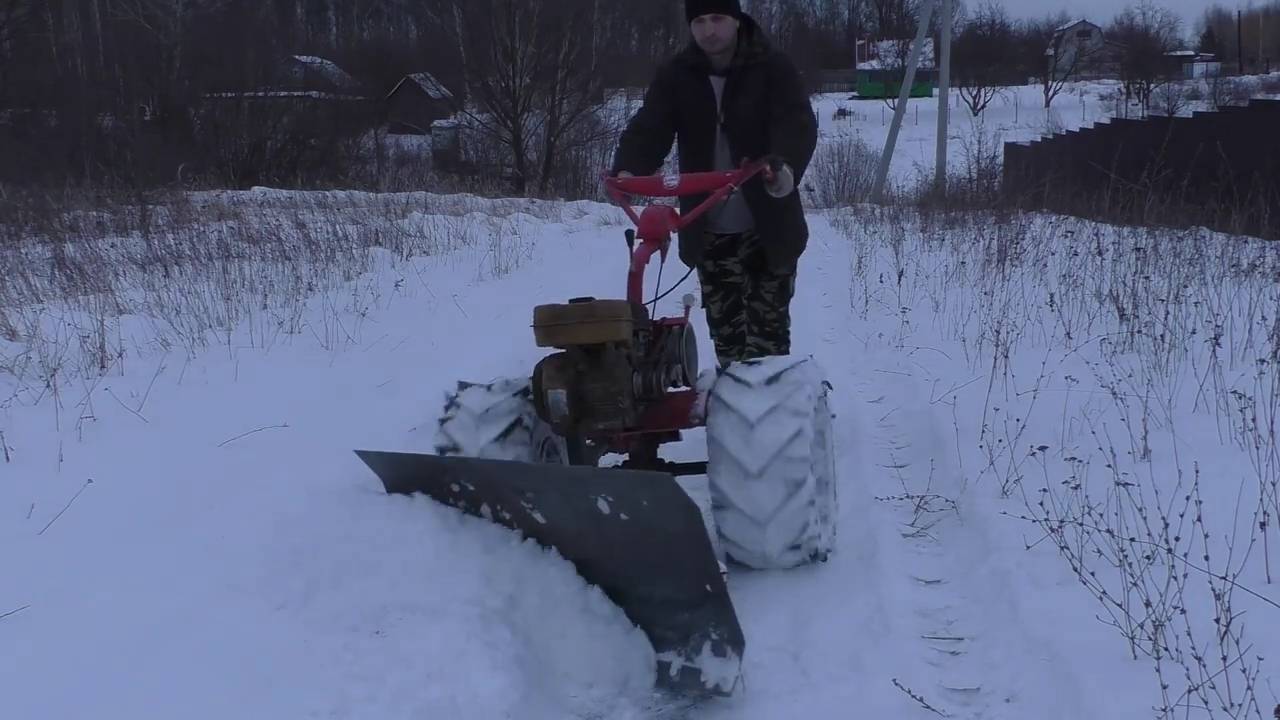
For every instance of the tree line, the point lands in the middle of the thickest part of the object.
(1246, 40)
(111, 91)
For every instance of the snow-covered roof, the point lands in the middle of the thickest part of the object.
(283, 94)
(328, 69)
(431, 86)
(1072, 24)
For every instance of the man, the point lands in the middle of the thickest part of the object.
(728, 97)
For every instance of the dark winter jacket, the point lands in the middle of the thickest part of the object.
(766, 111)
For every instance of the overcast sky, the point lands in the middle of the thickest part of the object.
(1102, 11)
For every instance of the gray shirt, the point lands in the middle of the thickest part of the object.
(732, 215)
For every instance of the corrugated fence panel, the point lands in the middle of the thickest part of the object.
(1215, 169)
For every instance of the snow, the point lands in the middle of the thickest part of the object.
(189, 534)
(1015, 114)
(432, 86)
(328, 69)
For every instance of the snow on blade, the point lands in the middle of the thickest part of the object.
(718, 673)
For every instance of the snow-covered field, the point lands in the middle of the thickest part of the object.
(185, 531)
(1015, 114)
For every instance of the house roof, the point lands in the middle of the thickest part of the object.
(1060, 34)
(328, 69)
(314, 94)
(427, 82)
(1073, 23)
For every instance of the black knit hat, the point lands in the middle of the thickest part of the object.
(694, 8)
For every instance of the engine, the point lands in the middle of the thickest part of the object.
(613, 363)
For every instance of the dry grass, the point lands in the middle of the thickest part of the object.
(88, 278)
(1117, 365)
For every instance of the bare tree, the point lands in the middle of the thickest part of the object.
(532, 70)
(895, 19)
(1145, 33)
(1253, 45)
(983, 54)
(571, 91)
(13, 15)
(1052, 57)
(893, 56)
(106, 80)
(1171, 99)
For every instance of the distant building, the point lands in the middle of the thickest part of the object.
(301, 77)
(309, 72)
(302, 95)
(446, 145)
(416, 102)
(880, 68)
(1191, 64)
(1201, 70)
(1081, 50)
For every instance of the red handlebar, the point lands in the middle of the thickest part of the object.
(719, 183)
(655, 225)
(680, 185)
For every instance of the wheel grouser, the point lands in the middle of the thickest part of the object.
(771, 462)
(497, 420)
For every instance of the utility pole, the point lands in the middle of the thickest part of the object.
(1239, 42)
(882, 172)
(944, 101)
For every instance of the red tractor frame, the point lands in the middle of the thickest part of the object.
(662, 420)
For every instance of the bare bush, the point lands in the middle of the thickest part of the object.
(842, 172)
(1228, 92)
(1171, 99)
(1177, 338)
(1136, 549)
(191, 270)
(977, 184)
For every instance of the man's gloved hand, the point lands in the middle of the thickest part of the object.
(779, 180)
(627, 196)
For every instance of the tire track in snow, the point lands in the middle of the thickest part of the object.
(982, 658)
(956, 636)
(817, 635)
(937, 614)
(926, 491)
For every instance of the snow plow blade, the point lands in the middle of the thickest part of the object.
(635, 534)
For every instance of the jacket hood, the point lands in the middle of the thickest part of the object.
(753, 47)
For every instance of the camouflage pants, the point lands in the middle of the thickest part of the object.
(748, 304)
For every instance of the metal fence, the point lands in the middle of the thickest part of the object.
(1219, 170)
